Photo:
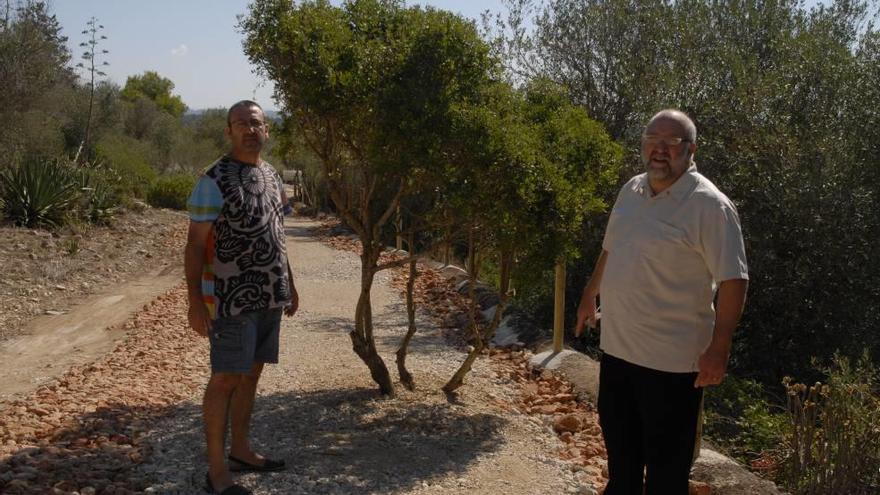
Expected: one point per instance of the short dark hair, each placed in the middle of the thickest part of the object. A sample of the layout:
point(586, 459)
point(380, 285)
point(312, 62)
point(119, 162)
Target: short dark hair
point(240, 104)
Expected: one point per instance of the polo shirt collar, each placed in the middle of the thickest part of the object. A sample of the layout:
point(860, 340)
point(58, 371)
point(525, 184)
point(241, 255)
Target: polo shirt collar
point(685, 183)
point(678, 190)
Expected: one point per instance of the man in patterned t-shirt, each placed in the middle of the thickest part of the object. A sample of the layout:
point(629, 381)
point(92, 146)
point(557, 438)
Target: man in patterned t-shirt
point(239, 281)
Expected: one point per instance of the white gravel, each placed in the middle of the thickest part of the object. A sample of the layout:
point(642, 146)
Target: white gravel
point(319, 410)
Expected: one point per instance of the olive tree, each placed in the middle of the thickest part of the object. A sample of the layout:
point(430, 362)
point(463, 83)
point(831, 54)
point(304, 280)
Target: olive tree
point(534, 165)
point(372, 87)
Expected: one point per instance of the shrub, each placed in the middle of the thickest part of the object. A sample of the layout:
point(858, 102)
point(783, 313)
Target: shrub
point(130, 159)
point(833, 442)
point(741, 420)
point(100, 200)
point(38, 192)
point(171, 191)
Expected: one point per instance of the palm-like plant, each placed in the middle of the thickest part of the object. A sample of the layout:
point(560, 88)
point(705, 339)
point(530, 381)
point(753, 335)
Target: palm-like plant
point(38, 193)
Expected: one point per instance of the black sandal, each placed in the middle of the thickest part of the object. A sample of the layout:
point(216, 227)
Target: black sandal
point(268, 466)
point(230, 490)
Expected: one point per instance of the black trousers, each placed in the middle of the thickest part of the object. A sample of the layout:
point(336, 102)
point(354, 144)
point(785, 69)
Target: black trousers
point(649, 421)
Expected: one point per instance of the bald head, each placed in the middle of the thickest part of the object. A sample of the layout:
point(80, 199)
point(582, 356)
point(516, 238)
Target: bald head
point(689, 130)
point(668, 147)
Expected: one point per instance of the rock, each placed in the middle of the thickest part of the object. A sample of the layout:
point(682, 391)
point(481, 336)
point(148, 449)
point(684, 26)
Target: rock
point(587, 490)
point(17, 486)
point(569, 423)
point(726, 477)
point(698, 488)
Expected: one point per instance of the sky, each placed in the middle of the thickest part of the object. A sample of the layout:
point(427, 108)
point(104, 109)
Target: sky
point(194, 43)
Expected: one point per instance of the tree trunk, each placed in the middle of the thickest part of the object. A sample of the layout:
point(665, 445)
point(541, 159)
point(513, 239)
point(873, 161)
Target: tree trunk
point(457, 379)
point(362, 341)
point(405, 376)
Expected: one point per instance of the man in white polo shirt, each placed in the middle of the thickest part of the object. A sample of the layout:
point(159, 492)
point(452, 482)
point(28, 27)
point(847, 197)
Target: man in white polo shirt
point(672, 241)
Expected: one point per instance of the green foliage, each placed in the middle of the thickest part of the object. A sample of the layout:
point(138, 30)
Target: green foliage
point(38, 192)
point(739, 418)
point(374, 88)
point(833, 437)
point(102, 204)
point(294, 153)
point(155, 88)
point(70, 245)
point(100, 197)
point(171, 191)
point(785, 104)
point(33, 56)
point(209, 126)
point(33, 67)
point(582, 165)
point(130, 159)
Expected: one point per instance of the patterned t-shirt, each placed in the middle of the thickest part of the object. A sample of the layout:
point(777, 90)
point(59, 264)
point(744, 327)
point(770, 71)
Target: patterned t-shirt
point(246, 259)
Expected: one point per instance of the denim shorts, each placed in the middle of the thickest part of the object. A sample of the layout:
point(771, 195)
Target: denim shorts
point(237, 342)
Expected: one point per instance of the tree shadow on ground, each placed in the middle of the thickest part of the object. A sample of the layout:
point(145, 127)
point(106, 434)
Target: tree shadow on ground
point(345, 441)
point(334, 441)
point(302, 233)
point(330, 324)
point(101, 449)
point(390, 328)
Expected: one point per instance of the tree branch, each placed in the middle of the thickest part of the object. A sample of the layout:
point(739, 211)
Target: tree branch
point(392, 207)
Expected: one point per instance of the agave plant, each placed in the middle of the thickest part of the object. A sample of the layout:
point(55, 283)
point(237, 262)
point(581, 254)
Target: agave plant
point(99, 199)
point(101, 204)
point(38, 192)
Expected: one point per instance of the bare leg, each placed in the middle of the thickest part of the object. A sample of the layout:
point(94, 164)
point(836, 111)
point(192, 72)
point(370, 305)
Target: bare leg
point(241, 407)
point(215, 408)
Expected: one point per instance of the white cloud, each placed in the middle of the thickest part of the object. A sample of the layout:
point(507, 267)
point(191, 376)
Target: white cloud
point(180, 50)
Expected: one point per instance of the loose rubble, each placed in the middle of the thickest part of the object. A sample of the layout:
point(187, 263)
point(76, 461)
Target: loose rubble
point(130, 422)
point(84, 432)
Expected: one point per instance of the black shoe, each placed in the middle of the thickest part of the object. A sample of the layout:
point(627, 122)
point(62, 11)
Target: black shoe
point(267, 466)
point(230, 490)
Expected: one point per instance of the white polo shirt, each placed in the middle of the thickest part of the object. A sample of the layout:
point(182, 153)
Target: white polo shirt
point(666, 255)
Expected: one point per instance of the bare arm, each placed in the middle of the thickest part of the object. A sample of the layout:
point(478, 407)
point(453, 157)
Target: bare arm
point(193, 262)
point(729, 307)
point(290, 310)
point(587, 307)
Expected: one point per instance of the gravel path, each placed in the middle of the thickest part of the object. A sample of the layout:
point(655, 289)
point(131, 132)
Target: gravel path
point(129, 422)
point(319, 410)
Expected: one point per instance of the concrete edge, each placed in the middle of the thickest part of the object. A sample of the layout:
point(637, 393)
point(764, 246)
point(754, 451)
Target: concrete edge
point(723, 474)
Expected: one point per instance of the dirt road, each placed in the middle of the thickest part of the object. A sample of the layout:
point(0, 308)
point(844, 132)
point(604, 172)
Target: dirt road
point(130, 421)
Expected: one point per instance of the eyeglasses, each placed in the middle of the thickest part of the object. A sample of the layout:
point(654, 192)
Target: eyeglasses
point(655, 140)
point(250, 124)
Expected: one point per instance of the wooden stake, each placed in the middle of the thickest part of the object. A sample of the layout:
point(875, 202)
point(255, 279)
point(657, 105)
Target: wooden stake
point(559, 307)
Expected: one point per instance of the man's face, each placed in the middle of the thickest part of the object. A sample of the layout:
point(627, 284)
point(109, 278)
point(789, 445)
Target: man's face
point(247, 130)
point(666, 152)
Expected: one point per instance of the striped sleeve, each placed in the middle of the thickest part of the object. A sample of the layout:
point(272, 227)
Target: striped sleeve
point(205, 202)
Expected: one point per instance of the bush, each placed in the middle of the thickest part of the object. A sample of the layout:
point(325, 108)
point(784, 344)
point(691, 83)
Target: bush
point(130, 159)
point(739, 419)
point(39, 192)
point(100, 200)
point(833, 442)
point(171, 191)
